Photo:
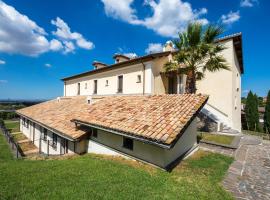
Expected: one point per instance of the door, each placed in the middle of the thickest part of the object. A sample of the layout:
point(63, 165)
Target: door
point(172, 87)
point(64, 146)
point(120, 84)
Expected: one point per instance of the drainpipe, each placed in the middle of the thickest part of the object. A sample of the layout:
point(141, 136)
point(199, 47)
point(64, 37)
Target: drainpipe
point(64, 88)
point(143, 77)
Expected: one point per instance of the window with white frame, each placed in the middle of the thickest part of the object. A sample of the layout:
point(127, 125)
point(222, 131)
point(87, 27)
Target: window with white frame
point(107, 83)
point(139, 78)
point(85, 86)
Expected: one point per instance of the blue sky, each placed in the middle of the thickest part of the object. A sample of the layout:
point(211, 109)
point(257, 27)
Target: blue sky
point(44, 41)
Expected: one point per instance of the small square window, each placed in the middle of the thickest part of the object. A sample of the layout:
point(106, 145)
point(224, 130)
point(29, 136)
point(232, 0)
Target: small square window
point(85, 86)
point(128, 143)
point(107, 83)
point(95, 135)
point(139, 78)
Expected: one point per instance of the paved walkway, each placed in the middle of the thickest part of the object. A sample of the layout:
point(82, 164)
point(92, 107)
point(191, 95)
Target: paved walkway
point(249, 175)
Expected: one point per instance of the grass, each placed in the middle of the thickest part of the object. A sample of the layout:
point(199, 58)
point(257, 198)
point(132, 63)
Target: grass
point(5, 153)
point(105, 177)
point(220, 139)
point(260, 134)
point(26, 146)
point(13, 126)
point(19, 137)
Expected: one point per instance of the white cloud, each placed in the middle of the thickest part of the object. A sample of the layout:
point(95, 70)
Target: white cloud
point(120, 9)
point(19, 34)
point(3, 81)
point(248, 3)
point(154, 48)
point(168, 18)
point(69, 47)
point(48, 65)
point(64, 34)
point(230, 18)
point(2, 62)
point(55, 45)
point(131, 55)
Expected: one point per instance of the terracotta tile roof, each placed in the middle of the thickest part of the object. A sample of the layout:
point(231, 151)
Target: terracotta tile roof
point(158, 118)
point(56, 114)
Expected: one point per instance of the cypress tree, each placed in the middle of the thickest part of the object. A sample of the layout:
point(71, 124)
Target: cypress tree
point(267, 114)
point(256, 113)
point(251, 110)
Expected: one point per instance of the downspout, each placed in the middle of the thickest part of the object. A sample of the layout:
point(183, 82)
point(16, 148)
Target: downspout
point(143, 76)
point(64, 88)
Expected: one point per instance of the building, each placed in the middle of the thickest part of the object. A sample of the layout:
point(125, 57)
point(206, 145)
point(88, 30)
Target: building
point(149, 128)
point(132, 108)
point(143, 76)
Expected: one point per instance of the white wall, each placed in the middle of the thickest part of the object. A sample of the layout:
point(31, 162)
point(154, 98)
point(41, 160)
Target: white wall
point(130, 84)
point(221, 86)
point(33, 133)
point(111, 144)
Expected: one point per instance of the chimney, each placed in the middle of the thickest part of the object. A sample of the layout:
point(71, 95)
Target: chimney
point(168, 46)
point(99, 65)
point(120, 58)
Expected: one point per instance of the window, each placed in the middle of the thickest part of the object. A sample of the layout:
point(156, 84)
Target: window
point(120, 84)
point(54, 143)
point(95, 87)
point(27, 123)
point(79, 89)
point(95, 135)
point(128, 143)
point(24, 121)
point(85, 86)
point(45, 134)
point(139, 78)
point(107, 83)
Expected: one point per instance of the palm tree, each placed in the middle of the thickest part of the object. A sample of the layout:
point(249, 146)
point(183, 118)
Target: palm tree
point(197, 53)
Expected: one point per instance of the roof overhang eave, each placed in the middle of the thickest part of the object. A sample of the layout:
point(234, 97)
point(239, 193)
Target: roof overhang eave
point(122, 133)
point(49, 128)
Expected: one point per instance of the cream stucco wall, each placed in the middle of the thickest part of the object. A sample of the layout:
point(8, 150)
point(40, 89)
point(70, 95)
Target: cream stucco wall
point(33, 133)
point(221, 86)
point(111, 144)
point(130, 83)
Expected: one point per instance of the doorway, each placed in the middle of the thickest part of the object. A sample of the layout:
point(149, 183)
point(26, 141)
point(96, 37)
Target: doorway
point(172, 85)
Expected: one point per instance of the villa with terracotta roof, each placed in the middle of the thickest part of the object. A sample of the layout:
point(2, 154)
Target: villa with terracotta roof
point(131, 108)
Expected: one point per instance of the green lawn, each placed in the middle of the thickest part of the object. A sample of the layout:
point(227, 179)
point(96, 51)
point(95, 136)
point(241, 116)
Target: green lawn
point(5, 153)
point(221, 139)
point(96, 177)
point(14, 126)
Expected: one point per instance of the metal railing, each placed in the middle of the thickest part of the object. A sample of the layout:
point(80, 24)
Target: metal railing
point(12, 142)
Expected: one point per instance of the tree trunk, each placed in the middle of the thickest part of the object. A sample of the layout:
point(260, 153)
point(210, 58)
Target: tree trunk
point(191, 82)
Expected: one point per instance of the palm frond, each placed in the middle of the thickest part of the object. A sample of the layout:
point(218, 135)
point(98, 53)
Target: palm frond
point(211, 33)
point(216, 63)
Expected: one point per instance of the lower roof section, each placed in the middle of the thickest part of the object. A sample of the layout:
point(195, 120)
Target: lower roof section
point(157, 119)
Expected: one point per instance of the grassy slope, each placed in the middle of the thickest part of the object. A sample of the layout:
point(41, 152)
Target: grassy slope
point(222, 139)
point(5, 154)
point(14, 126)
point(96, 177)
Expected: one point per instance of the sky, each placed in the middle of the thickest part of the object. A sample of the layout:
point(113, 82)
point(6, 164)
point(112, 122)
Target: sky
point(44, 41)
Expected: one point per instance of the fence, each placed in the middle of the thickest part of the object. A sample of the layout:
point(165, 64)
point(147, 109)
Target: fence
point(12, 143)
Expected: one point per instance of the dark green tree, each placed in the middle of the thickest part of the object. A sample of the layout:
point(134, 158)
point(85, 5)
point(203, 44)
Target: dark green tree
point(267, 114)
point(251, 110)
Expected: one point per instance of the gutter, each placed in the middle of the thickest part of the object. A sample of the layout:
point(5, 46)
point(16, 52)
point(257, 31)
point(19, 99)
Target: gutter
point(143, 76)
point(147, 141)
point(49, 128)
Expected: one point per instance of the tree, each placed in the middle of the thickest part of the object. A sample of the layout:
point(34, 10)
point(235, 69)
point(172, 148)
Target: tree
point(197, 53)
point(251, 111)
point(267, 114)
